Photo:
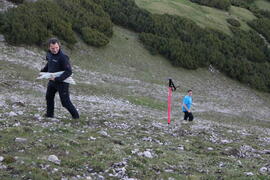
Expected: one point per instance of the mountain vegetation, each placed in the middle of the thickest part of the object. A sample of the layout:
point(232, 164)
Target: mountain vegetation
point(243, 55)
point(33, 23)
point(190, 46)
point(121, 96)
point(220, 4)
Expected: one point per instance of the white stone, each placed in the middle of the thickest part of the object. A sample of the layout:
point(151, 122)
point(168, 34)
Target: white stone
point(20, 112)
point(263, 170)
point(1, 158)
point(147, 154)
point(92, 138)
point(135, 151)
point(17, 124)
point(249, 173)
point(180, 148)
point(168, 170)
point(55, 170)
point(210, 149)
point(54, 159)
point(221, 164)
point(239, 163)
point(104, 133)
point(20, 139)
point(11, 114)
point(3, 166)
point(101, 177)
point(225, 141)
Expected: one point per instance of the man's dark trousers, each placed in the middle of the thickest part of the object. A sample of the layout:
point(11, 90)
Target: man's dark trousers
point(63, 90)
point(188, 116)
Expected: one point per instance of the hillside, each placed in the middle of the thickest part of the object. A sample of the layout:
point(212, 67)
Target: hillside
point(203, 15)
point(123, 133)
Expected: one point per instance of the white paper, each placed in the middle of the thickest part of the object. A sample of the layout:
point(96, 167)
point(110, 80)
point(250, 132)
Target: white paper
point(47, 75)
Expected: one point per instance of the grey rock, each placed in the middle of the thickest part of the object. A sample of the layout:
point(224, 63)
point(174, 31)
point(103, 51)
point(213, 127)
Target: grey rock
point(266, 151)
point(239, 163)
point(92, 138)
point(11, 114)
point(149, 139)
point(169, 170)
point(221, 164)
point(147, 154)
point(17, 124)
point(225, 141)
point(181, 147)
point(104, 133)
point(263, 170)
point(54, 159)
point(20, 112)
point(101, 177)
point(249, 173)
point(3, 166)
point(135, 151)
point(21, 140)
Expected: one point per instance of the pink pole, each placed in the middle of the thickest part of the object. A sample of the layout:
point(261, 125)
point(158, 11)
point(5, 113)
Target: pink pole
point(169, 104)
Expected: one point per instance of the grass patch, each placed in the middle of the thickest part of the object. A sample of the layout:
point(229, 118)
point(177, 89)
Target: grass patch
point(16, 72)
point(262, 4)
point(234, 120)
point(204, 16)
point(148, 102)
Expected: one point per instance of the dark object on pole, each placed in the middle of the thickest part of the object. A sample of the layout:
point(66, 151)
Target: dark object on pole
point(171, 84)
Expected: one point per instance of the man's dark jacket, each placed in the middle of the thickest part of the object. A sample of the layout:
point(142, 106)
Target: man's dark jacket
point(58, 62)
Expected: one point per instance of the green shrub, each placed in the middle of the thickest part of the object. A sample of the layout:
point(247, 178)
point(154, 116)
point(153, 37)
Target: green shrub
point(86, 13)
point(16, 1)
point(1, 22)
point(233, 22)
point(242, 3)
point(126, 13)
point(186, 44)
point(262, 26)
point(33, 23)
point(94, 37)
point(220, 4)
point(264, 13)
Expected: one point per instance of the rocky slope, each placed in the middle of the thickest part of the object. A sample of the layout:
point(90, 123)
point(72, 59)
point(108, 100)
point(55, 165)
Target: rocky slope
point(123, 131)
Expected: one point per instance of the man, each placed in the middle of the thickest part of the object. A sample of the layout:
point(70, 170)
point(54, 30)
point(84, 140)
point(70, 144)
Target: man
point(58, 61)
point(187, 102)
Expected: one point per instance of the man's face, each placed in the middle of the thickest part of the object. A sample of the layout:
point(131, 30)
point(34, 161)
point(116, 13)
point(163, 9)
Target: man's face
point(54, 48)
